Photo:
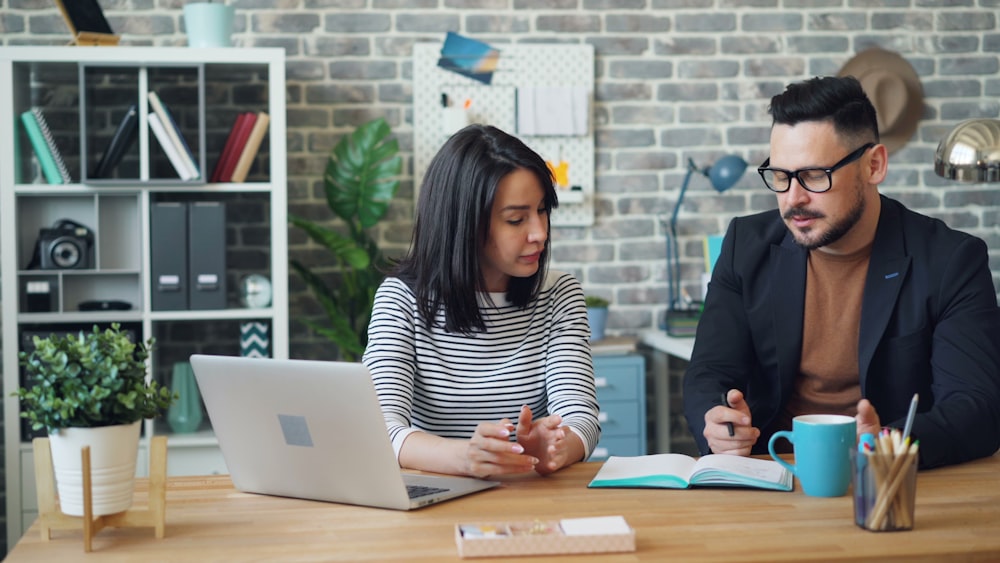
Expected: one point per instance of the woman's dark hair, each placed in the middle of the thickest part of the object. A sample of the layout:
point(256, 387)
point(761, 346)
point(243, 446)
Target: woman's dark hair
point(839, 99)
point(442, 267)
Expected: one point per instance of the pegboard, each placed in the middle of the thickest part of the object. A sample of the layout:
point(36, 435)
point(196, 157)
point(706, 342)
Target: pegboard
point(496, 104)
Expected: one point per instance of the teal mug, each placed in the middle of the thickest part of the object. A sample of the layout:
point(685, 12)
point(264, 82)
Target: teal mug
point(822, 444)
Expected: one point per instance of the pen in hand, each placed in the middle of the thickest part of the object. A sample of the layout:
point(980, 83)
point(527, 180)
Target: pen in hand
point(725, 401)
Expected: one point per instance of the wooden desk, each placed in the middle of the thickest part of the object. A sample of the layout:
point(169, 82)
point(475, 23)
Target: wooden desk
point(957, 516)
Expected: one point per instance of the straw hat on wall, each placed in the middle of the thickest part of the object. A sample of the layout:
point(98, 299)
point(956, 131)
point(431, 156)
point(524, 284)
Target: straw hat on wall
point(894, 89)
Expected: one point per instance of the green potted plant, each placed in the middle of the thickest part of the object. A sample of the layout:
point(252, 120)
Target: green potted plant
point(91, 389)
point(360, 180)
point(597, 315)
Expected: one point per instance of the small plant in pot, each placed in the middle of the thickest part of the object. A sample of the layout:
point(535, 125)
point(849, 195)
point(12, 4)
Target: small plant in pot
point(597, 315)
point(91, 389)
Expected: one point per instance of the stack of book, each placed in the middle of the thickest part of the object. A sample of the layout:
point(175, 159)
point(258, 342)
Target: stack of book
point(49, 158)
point(168, 134)
point(241, 147)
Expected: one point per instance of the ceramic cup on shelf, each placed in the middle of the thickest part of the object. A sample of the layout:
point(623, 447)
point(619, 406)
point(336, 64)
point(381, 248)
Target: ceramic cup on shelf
point(209, 24)
point(185, 414)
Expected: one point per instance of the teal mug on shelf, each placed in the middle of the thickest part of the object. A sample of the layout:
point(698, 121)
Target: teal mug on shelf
point(822, 444)
point(209, 24)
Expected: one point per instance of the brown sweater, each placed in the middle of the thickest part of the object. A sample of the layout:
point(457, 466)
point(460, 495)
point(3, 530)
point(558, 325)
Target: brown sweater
point(828, 381)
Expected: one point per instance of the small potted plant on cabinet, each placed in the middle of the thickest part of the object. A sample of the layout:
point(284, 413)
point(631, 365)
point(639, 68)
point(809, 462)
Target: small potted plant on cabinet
point(597, 316)
point(91, 389)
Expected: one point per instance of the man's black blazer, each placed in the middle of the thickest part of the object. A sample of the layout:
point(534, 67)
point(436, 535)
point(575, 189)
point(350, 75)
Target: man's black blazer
point(929, 325)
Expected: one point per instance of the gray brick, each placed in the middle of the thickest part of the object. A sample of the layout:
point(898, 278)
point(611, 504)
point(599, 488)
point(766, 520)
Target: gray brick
point(584, 253)
point(748, 135)
point(687, 91)
point(641, 69)
point(715, 113)
point(305, 70)
point(339, 46)
point(687, 23)
point(644, 114)
point(685, 46)
point(992, 87)
point(627, 183)
point(708, 68)
point(609, 46)
point(975, 197)
point(362, 70)
point(789, 67)
point(957, 111)
point(991, 42)
point(681, 137)
point(498, 23)
point(836, 22)
point(545, 4)
point(284, 22)
point(749, 45)
point(873, 3)
point(968, 65)
point(903, 21)
point(410, 22)
point(636, 23)
point(617, 274)
point(623, 138)
point(965, 22)
point(682, 4)
point(357, 23)
point(476, 4)
point(771, 22)
point(601, 5)
point(395, 93)
point(622, 91)
point(568, 24)
point(812, 44)
point(399, 4)
point(645, 160)
point(339, 93)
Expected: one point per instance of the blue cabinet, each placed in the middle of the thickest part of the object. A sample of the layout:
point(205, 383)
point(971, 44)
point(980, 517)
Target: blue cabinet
point(621, 395)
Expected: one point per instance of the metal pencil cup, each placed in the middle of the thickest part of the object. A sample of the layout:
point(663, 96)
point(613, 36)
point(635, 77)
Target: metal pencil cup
point(885, 491)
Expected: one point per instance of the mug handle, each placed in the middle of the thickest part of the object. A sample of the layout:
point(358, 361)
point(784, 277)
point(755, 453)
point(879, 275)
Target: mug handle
point(788, 435)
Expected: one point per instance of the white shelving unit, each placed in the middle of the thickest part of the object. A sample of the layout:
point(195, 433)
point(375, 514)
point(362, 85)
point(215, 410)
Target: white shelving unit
point(118, 212)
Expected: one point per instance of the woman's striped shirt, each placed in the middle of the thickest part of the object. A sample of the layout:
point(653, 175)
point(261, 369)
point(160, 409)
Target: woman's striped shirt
point(446, 383)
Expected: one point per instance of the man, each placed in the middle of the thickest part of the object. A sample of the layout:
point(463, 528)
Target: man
point(843, 301)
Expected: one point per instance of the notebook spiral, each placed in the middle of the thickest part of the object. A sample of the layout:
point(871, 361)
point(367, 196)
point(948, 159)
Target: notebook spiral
point(51, 142)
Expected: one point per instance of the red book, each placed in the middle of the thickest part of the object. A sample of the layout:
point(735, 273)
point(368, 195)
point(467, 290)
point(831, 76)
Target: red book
point(230, 151)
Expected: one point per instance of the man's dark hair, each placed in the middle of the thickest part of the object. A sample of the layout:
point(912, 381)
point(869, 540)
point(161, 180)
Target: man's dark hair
point(839, 99)
point(443, 265)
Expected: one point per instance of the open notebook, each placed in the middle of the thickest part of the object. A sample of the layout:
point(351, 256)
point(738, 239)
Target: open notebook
point(312, 430)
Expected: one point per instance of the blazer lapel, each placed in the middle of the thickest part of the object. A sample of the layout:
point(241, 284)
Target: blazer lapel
point(787, 298)
point(887, 268)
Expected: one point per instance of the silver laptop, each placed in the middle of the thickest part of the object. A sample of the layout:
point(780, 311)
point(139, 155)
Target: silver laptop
point(311, 430)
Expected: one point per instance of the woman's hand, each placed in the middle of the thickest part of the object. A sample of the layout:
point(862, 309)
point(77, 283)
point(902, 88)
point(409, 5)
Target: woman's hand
point(545, 438)
point(490, 451)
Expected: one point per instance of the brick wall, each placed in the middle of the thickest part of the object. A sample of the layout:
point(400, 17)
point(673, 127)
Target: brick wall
point(675, 79)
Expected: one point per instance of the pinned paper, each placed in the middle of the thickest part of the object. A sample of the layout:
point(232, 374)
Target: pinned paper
point(553, 110)
point(469, 57)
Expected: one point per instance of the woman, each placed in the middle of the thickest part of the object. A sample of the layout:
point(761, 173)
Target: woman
point(480, 358)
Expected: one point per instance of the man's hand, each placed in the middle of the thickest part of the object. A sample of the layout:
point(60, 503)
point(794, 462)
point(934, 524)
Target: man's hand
point(867, 419)
point(717, 431)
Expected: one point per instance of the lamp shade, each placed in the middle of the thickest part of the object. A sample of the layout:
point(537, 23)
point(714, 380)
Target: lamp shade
point(726, 172)
point(970, 152)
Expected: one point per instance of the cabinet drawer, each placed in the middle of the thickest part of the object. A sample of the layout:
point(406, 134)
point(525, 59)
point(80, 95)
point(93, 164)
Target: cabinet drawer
point(615, 387)
point(619, 418)
point(620, 446)
point(619, 377)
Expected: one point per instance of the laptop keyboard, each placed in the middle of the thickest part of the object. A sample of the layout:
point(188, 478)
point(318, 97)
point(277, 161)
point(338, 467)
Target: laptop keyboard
point(417, 491)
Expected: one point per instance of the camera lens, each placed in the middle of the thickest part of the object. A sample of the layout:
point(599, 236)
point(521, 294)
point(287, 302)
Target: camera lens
point(65, 253)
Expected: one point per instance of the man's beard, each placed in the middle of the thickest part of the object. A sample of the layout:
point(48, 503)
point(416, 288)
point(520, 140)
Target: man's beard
point(836, 230)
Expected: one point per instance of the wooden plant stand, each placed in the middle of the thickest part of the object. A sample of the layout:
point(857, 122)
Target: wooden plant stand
point(50, 517)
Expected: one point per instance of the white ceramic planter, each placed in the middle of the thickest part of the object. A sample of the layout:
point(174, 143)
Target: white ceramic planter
point(113, 453)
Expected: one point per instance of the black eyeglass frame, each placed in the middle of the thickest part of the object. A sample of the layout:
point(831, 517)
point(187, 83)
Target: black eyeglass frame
point(853, 156)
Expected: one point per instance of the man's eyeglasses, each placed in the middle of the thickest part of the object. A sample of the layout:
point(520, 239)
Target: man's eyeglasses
point(815, 180)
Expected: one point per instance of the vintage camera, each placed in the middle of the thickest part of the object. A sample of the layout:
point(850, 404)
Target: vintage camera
point(67, 245)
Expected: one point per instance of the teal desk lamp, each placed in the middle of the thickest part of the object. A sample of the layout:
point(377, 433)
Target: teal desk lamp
point(723, 175)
